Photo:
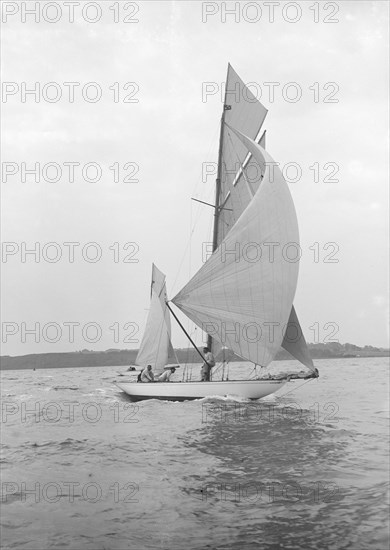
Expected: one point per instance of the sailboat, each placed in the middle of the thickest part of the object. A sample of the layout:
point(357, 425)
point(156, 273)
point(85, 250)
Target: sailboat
point(242, 296)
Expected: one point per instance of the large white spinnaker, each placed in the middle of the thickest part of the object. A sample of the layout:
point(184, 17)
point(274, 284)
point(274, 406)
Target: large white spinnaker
point(156, 347)
point(243, 294)
point(244, 112)
point(293, 341)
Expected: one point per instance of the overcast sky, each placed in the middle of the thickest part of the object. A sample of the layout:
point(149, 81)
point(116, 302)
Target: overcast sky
point(338, 127)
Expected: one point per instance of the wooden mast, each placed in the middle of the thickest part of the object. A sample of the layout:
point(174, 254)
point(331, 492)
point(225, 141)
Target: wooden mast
point(218, 186)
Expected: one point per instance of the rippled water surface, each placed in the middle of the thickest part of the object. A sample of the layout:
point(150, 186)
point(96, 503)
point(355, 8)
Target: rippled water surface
point(84, 468)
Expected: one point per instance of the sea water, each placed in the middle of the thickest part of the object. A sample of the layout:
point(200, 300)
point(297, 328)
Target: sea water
point(85, 468)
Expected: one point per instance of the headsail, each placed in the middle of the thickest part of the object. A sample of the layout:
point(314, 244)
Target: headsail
point(156, 347)
point(242, 296)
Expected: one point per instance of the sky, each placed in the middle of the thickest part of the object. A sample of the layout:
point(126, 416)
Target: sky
point(141, 119)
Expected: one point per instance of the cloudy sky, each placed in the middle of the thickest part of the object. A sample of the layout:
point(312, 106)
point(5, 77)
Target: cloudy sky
point(144, 119)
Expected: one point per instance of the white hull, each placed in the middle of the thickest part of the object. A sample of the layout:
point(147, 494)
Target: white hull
point(179, 391)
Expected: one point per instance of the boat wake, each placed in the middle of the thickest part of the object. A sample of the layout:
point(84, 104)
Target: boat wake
point(227, 397)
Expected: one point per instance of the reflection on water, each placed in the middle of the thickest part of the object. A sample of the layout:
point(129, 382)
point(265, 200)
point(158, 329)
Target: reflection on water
point(292, 475)
point(272, 470)
point(303, 469)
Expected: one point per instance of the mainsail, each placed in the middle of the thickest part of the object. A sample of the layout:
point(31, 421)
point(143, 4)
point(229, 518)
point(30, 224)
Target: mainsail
point(156, 347)
point(242, 296)
point(245, 113)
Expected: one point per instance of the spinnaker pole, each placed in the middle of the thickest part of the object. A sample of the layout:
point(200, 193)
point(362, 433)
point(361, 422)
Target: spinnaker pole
point(185, 332)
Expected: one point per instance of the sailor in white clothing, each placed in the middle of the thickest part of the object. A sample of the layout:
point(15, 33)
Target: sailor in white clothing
point(166, 375)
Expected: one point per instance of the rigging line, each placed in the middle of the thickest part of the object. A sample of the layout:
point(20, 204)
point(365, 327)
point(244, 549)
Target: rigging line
point(188, 246)
point(211, 151)
point(252, 194)
point(195, 218)
point(254, 370)
point(186, 250)
point(212, 205)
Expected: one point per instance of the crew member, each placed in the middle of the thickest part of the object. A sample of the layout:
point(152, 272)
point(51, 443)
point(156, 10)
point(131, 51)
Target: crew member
point(147, 374)
point(166, 375)
point(207, 365)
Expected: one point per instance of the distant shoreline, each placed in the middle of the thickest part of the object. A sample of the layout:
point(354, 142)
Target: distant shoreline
point(121, 358)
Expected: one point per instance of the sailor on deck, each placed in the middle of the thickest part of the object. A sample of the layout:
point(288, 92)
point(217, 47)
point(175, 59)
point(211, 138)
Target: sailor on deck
point(166, 375)
point(207, 365)
point(147, 374)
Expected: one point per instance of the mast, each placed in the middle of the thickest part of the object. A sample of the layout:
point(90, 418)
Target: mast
point(218, 184)
point(218, 187)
